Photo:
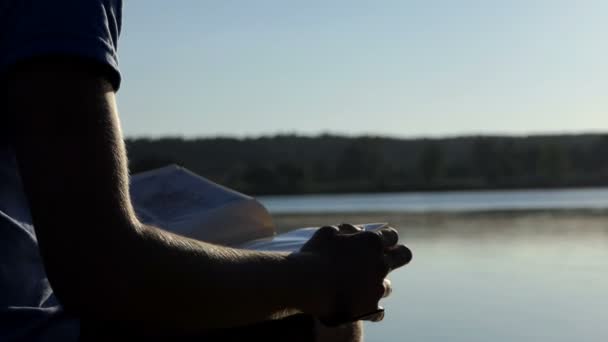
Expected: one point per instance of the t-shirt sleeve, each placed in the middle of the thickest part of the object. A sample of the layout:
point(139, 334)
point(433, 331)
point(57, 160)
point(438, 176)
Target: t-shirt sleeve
point(72, 28)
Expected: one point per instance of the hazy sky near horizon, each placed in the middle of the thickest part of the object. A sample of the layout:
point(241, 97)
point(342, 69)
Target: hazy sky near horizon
point(390, 67)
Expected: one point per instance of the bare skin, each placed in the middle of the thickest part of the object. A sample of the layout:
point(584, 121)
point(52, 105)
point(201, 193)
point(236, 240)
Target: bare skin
point(74, 168)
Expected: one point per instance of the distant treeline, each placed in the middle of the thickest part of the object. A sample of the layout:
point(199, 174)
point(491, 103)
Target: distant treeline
point(292, 164)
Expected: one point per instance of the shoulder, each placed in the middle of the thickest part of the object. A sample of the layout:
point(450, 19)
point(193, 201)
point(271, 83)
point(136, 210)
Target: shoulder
point(76, 29)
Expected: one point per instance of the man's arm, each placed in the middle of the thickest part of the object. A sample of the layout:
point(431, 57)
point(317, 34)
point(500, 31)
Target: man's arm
point(104, 264)
point(100, 260)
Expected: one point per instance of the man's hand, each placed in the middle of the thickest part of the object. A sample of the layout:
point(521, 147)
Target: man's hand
point(356, 262)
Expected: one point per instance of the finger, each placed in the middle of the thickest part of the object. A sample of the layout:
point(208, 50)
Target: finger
point(389, 236)
point(375, 316)
point(388, 288)
point(320, 238)
point(346, 228)
point(327, 231)
point(398, 256)
point(371, 241)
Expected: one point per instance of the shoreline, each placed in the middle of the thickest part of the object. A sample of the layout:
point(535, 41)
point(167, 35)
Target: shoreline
point(455, 213)
point(431, 219)
point(439, 190)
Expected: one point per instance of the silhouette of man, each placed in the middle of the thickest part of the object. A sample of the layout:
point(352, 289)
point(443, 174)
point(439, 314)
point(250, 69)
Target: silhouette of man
point(74, 259)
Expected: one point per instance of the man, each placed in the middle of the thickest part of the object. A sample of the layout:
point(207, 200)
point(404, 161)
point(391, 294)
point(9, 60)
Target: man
point(62, 156)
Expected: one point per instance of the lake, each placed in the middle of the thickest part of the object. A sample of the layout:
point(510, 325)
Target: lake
point(512, 276)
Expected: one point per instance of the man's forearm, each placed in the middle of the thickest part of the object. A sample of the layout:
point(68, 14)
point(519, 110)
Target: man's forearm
point(100, 261)
point(196, 285)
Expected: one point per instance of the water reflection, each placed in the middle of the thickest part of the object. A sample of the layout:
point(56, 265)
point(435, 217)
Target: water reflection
point(519, 278)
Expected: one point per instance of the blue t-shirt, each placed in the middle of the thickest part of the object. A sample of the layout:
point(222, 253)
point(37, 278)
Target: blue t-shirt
point(28, 29)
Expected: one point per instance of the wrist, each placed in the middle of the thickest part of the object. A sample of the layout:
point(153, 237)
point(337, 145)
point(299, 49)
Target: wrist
point(313, 284)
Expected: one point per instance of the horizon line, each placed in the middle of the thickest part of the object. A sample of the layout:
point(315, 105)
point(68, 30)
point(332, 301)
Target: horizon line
point(364, 135)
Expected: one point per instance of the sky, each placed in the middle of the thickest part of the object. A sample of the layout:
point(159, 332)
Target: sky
point(392, 67)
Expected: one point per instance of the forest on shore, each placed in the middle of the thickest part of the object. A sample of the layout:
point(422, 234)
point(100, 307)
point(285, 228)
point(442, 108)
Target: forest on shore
point(295, 164)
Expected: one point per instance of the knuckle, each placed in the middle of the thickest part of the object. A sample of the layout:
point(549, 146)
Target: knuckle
point(405, 253)
point(390, 230)
point(326, 231)
point(349, 227)
point(390, 237)
point(393, 233)
point(372, 239)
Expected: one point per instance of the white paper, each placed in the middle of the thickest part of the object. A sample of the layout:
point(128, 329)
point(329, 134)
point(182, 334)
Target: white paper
point(293, 240)
point(182, 202)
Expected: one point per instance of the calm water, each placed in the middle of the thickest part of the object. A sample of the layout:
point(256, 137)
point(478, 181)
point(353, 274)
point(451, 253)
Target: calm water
point(440, 201)
point(520, 277)
point(521, 284)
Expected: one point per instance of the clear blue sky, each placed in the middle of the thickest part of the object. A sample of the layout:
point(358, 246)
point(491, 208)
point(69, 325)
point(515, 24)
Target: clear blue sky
point(400, 68)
